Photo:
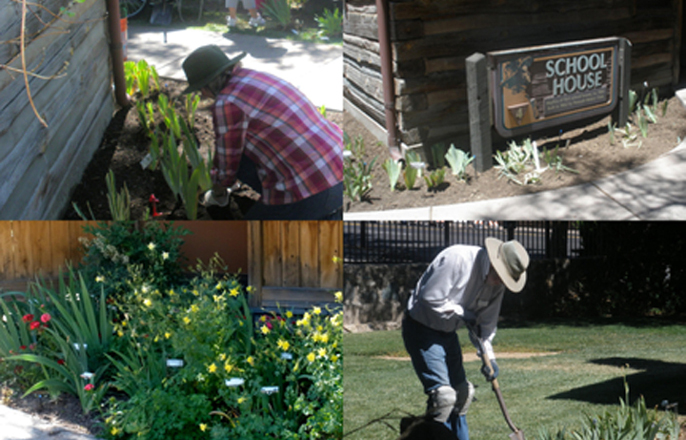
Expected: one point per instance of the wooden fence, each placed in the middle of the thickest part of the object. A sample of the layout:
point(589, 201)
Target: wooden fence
point(40, 166)
point(431, 39)
point(288, 263)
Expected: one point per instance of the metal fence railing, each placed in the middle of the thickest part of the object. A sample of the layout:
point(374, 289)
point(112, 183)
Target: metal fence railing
point(392, 242)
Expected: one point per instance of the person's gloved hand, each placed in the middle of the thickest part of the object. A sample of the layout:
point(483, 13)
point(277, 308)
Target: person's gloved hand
point(490, 373)
point(217, 196)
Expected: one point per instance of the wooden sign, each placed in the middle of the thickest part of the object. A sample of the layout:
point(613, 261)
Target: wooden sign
point(544, 86)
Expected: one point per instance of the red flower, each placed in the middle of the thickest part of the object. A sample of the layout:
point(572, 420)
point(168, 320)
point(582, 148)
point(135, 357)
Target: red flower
point(27, 318)
point(60, 361)
point(45, 318)
point(89, 387)
point(23, 347)
point(34, 325)
point(269, 325)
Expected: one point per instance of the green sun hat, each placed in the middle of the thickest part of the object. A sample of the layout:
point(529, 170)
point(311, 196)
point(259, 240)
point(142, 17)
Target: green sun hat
point(204, 64)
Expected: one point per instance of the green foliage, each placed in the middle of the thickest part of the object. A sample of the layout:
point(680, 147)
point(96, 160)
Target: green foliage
point(438, 155)
point(435, 179)
point(458, 161)
point(411, 169)
point(393, 169)
point(280, 11)
point(633, 100)
point(169, 115)
point(357, 174)
point(191, 102)
point(330, 24)
point(554, 161)
point(138, 77)
point(119, 202)
point(630, 422)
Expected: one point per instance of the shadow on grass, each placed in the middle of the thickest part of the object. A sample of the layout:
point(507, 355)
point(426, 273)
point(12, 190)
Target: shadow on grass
point(659, 381)
point(635, 322)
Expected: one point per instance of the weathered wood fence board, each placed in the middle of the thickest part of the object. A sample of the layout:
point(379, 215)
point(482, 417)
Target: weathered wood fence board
point(41, 166)
point(431, 39)
point(297, 265)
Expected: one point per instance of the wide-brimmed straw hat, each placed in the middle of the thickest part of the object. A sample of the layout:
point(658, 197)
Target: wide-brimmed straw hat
point(204, 64)
point(510, 261)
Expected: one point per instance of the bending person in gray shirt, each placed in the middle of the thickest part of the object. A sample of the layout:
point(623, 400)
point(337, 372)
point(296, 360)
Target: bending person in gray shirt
point(462, 284)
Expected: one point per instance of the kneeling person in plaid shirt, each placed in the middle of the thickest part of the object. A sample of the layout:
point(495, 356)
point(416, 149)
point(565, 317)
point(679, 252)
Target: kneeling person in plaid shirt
point(271, 137)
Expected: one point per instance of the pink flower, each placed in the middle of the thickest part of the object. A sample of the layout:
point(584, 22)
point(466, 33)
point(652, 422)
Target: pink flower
point(45, 318)
point(32, 346)
point(27, 318)
point(269, 325)
point(89, 387)
point(34, 325)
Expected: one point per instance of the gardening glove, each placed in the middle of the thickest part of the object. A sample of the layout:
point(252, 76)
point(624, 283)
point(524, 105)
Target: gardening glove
point(217, 196)
point(490, 373)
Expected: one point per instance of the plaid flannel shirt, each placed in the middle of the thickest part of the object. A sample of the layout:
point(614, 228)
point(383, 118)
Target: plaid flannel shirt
point(298, 152)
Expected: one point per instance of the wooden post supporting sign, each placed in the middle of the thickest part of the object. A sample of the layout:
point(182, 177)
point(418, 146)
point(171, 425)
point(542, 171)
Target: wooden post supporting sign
point(479, 113)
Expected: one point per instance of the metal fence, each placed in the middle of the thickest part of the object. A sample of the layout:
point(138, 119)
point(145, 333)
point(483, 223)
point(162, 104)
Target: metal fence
point(392, 242)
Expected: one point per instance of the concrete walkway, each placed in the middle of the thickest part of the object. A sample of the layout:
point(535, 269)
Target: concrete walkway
point(314, 68)
point(17, 425)
point(654, 191)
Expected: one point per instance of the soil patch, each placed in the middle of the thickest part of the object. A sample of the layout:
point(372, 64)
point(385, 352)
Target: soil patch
point(123, 147)
point(470, 357)
point(587, 149)
point(64, 413)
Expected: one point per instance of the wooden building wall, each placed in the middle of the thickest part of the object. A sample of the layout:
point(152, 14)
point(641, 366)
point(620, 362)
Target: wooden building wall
point(430, 40)
point(288, 263)
point(40, 166)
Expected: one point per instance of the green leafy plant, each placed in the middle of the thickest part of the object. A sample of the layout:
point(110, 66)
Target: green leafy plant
point(458, 161)
point(119, 202)
point(553, 159)
point(330, 23)
point(633, 100)
point(170, 117)
point(438, 155)
point(611, 127)
point(357, 174)
point(515, 160)
point(435, 179)
point(146, 116)
point(393, 169)
point(629, 136)
point(412, 167)
point(280, 11)
point(642, 124)
point(191, 102)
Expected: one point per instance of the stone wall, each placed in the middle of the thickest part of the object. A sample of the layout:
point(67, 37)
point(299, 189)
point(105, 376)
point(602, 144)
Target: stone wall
point(375, 295)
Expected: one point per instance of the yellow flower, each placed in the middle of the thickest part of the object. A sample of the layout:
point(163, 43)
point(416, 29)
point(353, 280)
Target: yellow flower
point(212, 368)
point(165, 255)
point(100, 279)
point(218, 286)
point(321, 352)
point(283, 344)
point(203, 427)
point(289, 314)
point(334, 358)
point(120, 333)
point(147, 302)
point(241, 400)
point(114, 430)
point(265, 330)
point(123, 323)
point(339, 296)
point(324, 338)
point(251, 361)
point(263, 318)
point(217, 298)
point(151, 246)
point(234, 292)
point(311, 357)
point(157, 338)
point(167, 335)
point(186, 320)
point(316, 310)
point(195, 292)
point(228, 367)
point(336, 260)
point(250, 289)
point(222, 357)
point(171, 292)
point(194, 308)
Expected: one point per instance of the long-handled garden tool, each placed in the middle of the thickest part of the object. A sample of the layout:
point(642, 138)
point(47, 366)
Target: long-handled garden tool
point(517, 433)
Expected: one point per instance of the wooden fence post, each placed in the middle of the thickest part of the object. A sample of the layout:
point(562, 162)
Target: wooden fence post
point(479, 116)
point(620, 115)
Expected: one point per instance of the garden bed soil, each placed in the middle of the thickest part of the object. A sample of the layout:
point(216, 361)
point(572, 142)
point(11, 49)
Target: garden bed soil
point(123, 147)
point(589, 152)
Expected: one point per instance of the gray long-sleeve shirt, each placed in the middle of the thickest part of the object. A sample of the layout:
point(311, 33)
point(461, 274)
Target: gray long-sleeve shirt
point(458, 275)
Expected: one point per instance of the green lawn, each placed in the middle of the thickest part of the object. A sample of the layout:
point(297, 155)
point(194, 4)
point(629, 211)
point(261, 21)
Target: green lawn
point(582, 375)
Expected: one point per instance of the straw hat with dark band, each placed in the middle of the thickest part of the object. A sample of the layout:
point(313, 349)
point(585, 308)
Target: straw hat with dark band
point(510, 261)
point(204, 64)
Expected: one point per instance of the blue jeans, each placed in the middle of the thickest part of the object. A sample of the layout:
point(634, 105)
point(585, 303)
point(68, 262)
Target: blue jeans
point(437, 360)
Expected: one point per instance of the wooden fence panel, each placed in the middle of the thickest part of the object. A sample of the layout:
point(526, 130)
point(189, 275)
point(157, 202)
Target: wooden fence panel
point(310, 257)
